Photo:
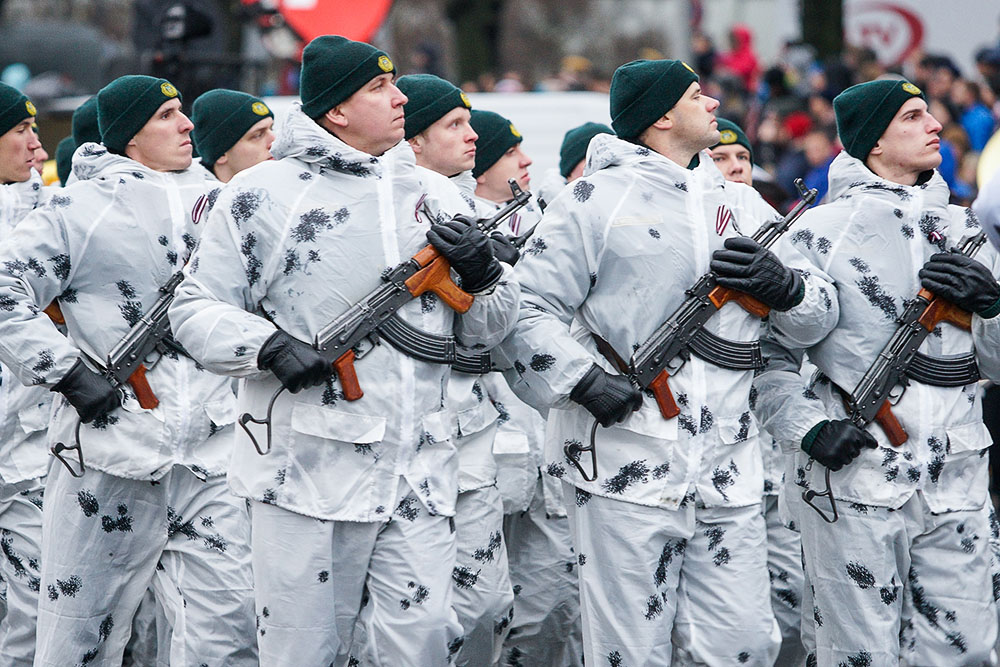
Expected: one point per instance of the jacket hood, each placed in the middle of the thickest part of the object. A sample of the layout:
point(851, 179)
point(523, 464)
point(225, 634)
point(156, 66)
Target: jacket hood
point(302, 138)
point(849, 176)
point(93, 161)
point(607, 150)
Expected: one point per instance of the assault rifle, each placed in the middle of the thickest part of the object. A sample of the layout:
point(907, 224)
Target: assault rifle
point(885, 381)
point(339, 341)
point(666, 351)
point(126, 362)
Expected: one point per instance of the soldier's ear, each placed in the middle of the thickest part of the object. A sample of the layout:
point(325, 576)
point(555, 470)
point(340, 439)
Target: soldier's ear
point(876, 149)
point(222, 159)
point(336, 117)
point(664, 122)
point(417, 144)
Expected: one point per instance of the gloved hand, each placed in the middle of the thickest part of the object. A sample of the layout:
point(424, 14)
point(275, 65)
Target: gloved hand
point(610, 398)
point(91, 394)
point(504, 248)
point(296, 364)
point(749, 267)
point(468, 251)
point(836, 443)
point(961, 280)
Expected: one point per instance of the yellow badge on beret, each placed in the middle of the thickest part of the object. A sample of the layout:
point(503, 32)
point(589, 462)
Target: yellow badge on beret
point(260, 108)
point(513, 130)
point(687, 67)
point(384, 63)
point(727, 137)
point(465, 100)
point(911, 89)
point(168, 89)
point(32, 111)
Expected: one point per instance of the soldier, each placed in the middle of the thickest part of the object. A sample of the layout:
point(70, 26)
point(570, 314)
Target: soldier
point(499, 159)
point(64, 159)
point(356, 500)
point(150, 499)
point(232, 131)
point(907, 562)
point(444, 143)
point(572, 159)
point(673, 517)
point(41, 155)
point(23, 460)
point(734, 158)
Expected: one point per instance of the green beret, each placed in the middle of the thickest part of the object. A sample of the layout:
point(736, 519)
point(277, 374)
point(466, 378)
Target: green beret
point(14, 107)
point(864, 111)
point(85, 127)
point(221, 117)
point(496, 136)
point(644, 90)
point(574, 145)
point(64, 158)
point(430, 98)
point(334, 68)
point(126, 104)
point(731, 133)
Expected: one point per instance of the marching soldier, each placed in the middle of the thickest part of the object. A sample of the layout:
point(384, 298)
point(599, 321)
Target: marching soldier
point(232, 131)
point(672, 518)
point(150, 499)
point(356, 499)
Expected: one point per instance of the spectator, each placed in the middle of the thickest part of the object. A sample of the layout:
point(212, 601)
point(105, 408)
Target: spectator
point(974, 116)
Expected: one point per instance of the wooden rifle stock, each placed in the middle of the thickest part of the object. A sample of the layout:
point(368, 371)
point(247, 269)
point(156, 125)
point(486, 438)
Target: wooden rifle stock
point(140, 385)
point(348, 377)
point(938, 310)
point(893, 430)
point(664, 397)
point(55, 313)
point(435, 276)
point(720, 296)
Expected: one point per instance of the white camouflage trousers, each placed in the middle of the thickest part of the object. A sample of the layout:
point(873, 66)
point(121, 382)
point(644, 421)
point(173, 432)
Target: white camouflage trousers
point(20, 567)
point(354, 593)
point(483, 596)
point(546, 629)
point(661, 587)
point(105, 539)
point(902, 586)
point(784, 567)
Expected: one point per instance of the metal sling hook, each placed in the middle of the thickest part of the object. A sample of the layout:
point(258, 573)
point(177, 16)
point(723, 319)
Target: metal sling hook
point(58, 449)
point(247, 417)
point(808, 496)
point(574, 449)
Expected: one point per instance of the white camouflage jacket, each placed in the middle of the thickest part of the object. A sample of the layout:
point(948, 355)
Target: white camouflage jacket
point(24, 410)
point(616, 250)
point(293, 243)
point(869, 243)
point(103, 247)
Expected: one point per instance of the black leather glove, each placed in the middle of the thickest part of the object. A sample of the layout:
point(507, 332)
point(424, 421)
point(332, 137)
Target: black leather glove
point(610, 398)
point(747, 266)
point(468, 251)
point(91, 394)
point(504, 248)
point(961, 280)
point(296, 364)
point(836, 443)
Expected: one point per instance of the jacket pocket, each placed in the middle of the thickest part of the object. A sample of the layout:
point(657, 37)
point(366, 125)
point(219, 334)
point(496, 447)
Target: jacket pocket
point(733, 430)
point(476, 418)
point(634, 236)
point(222, 411)
point(34, 417)
point(435, 428)
point(330, 424)
point(973, 436)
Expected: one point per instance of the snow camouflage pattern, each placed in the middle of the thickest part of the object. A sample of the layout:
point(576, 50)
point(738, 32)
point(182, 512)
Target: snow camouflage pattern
point(873, 269)
point(284, 236)
point(929, 602)
point(400, 614)
point(20, 568)
point(104, 247)
point(187, 538)
point(623, 284)
point(483, 595)
point(543, 569)
point(702, 600)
